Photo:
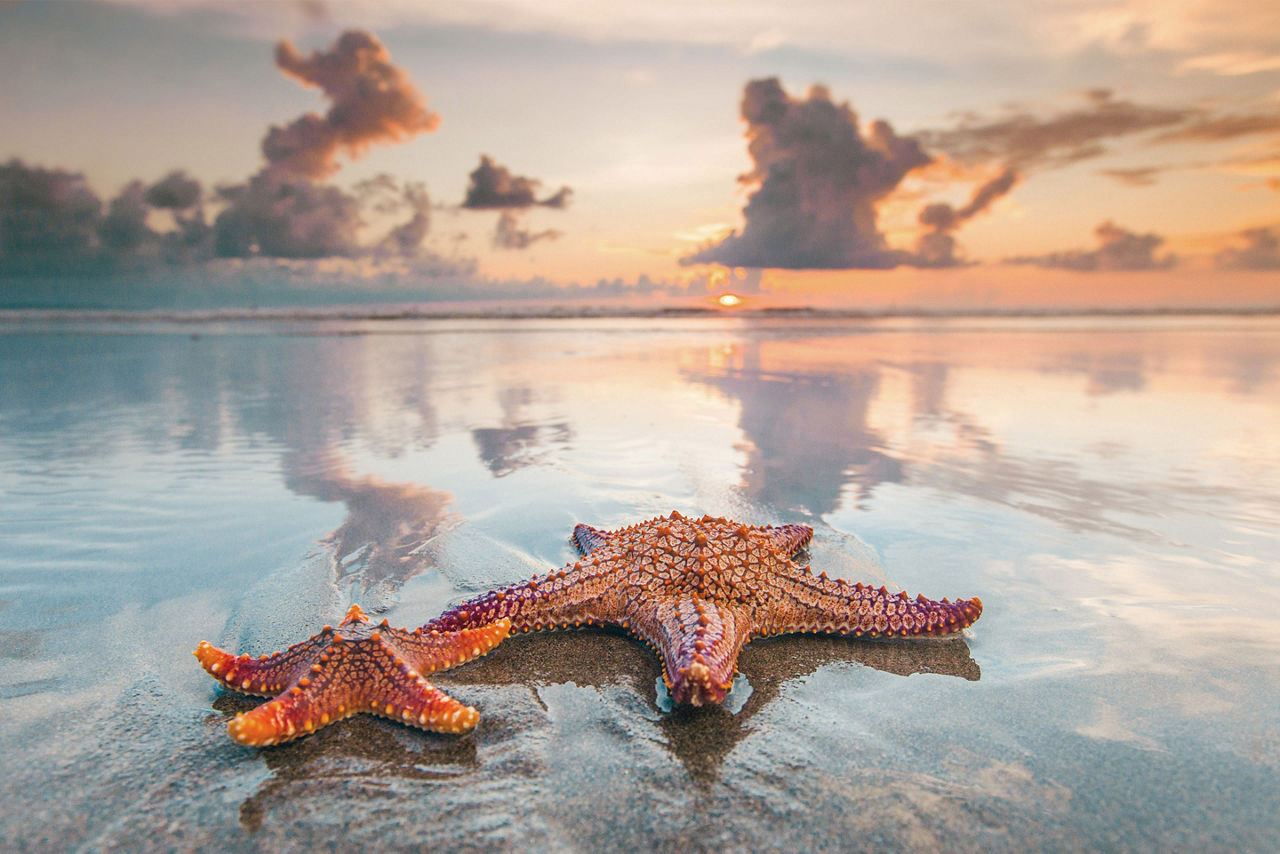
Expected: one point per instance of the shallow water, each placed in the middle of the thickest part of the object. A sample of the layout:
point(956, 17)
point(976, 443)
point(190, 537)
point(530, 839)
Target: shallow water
point(1110, 488)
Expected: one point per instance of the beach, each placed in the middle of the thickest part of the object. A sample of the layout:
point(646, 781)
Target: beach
point(1109, 486)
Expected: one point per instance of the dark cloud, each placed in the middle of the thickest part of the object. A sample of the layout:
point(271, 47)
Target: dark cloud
point(183, 197)
point(494, 187)
point(1025, 140)
point(176, 191)
point(45, 212)
point(1261, 251)
point(373, 101)
point(819, 180)
point(510, 233)
point(1118, 249)
point(936, 246)
point(286, 219)
point(124, 228)
point(51, 221)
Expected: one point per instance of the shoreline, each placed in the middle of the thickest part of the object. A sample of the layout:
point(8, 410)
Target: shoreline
point(560, 311)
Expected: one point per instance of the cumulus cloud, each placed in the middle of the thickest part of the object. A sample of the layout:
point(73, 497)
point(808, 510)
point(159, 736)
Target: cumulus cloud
point(282, 212)
point(45, 211)
point(286, 219)
point(372, 101)
point(937, 246)
point(1261, 251)
point(818, 179)
point(51, 219)
point(124, 228)
point(1026, 140)
point(1118, 249)
point(494, 187)
point(176, 191)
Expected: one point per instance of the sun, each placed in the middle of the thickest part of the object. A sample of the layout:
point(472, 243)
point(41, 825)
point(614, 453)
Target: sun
point(729, 300)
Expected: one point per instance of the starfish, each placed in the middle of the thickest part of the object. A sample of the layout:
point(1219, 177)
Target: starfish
point(697, 590)
point(361, 667)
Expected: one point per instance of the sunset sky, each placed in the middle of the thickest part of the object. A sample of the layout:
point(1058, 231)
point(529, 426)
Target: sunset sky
point(949, 154)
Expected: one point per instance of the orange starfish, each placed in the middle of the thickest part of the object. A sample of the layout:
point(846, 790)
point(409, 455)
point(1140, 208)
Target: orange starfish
point(362, 667)
point(697, 590)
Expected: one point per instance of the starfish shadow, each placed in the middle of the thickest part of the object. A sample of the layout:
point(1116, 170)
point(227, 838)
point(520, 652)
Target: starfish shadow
point(366, 754)
point(701, 738)
point(358, 756)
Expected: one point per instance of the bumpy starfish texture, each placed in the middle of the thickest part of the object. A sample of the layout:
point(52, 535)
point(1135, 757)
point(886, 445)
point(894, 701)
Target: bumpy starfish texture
point(697, 590)
point(360, 667)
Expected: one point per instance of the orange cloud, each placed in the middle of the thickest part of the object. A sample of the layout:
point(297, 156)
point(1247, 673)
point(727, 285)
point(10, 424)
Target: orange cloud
point(373, 101)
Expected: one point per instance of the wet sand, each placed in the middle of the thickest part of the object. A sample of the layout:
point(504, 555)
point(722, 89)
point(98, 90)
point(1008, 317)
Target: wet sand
point(1111, 494)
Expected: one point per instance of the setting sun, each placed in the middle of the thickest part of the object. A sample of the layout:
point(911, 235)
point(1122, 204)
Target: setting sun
point(729, 300)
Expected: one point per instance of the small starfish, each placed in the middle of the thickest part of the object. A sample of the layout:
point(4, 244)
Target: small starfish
point(361, 668)
point(697, 590)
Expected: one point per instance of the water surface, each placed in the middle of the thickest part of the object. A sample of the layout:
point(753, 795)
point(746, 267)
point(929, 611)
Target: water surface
point(1111, 490)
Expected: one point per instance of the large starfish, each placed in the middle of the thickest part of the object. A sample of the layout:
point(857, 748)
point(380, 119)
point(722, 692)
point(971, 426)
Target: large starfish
point(697, 590)
point(361, 667)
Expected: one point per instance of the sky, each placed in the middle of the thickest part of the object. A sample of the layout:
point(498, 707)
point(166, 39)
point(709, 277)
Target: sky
point(953, 155)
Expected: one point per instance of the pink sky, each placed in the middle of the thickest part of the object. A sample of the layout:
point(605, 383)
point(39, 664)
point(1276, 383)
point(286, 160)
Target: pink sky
point(1068, 154)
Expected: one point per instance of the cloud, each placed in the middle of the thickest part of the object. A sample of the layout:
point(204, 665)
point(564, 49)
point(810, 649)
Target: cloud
point(51, 221)
point(281, 212)
point(1261, 251)
point(494, 187)
point(406, 238)
point(373, 101)
point(286, 219)
point(818, 179)
point(1118, 249)
point(1221, 128)
point(1232, 63)
point(936, 247)
point(510, 235)
point(45, 212)
point(1026, 141)
point(124, 228)
point(1141, 176)
point(176, 191)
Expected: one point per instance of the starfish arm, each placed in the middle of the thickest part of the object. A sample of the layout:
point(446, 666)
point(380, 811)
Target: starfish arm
point(265, 676)
point(583, 593)
point(587, 538)
point(428, 651)
point(786, 539)
point(699, 641)
point(802, 602)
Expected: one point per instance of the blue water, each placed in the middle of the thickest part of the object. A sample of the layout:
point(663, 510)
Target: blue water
point(1110, 488)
